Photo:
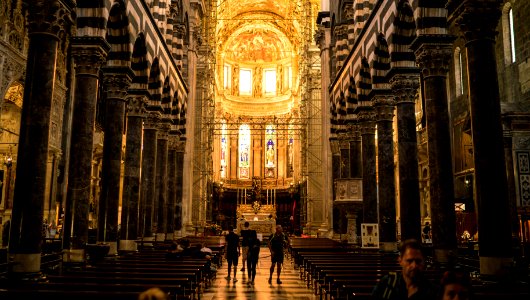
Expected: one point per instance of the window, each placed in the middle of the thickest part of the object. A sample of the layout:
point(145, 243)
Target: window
point(244, 151)
point(270, 82)
point(512, 38)
point(508, 38)
point(459, 76)
point(227, 76)
point(245, 82)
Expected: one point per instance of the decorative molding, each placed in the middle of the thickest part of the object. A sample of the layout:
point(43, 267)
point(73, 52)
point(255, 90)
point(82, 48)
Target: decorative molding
point(53, 17)
point(434, 59)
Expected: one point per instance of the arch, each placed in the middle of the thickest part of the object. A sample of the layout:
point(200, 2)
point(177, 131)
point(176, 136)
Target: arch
point(154, 86)
point(175, 111)
point(118, 35)
point(342, 112)
point(431, 17)
point(381, 63)
point(139, 64)
point(183, 110)
point(166, 99)
point(402, 37)
point(91, 18)
point(365, 82)
point(333, 118)
point(351, 101)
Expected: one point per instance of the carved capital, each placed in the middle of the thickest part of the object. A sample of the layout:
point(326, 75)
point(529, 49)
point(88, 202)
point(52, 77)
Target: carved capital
point(89, 53)
point(173, 141)
point(405, 87)
point(478, 19)
point(384, 113)
point(434, 59)
point(136, 105)
point(151, 120)
point(52, 17)
point(320, 37)
point(366, 122)
point(181, 145)
point(117, 81)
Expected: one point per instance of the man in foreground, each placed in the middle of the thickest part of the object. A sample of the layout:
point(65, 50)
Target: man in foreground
point(277, 242)
point(410, 283)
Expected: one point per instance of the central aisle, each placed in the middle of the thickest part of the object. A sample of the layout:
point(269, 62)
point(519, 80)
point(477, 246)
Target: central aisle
point(291, 288)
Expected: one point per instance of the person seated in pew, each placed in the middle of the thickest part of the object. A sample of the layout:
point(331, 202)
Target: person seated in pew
point(410, 283)
point(455, 285)
point(153, 294)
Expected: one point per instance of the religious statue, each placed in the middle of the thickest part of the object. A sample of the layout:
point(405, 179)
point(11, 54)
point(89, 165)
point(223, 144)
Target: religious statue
point(235, 81)
point(270, 156)
point(257, 82)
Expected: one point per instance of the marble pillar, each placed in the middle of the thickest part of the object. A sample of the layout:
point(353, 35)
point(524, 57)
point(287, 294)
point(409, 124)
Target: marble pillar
point(47, 22)
point(116, 82)
point(88, 54)
point(173, 139)
point(405, 88)
point(367, 127)
point(161, 180)
point(136, 103)
point(181, 145)
point(148, 174)
point(356, 158)
point(478, 21)
point(433, 55)
point(384, 114)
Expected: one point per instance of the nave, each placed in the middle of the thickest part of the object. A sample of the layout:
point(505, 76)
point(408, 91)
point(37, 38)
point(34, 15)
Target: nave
point(292, 286)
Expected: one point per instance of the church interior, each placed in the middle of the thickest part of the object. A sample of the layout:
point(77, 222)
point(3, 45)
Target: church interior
point(362, 122)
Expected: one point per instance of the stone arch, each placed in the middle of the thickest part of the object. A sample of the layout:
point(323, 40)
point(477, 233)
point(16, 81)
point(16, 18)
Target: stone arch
point(140, 64)
point(91, 18)
point(351, 100)
point(166, 98)
point(403, 35)
point(365, 81)
point(381, 62)
point(154, 86)
point(175, 110)
point(183, 111)
point(118, 35)
point(333, 114)
point(431, 17)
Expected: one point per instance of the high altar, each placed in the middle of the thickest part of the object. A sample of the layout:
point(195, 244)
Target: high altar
point(262, 218)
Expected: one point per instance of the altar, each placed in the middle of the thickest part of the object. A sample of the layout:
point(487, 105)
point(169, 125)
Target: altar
point(261, 218)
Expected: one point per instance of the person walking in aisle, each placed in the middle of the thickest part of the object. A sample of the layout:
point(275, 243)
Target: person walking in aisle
point(277, 242)
point(232, 251)
point(254, 245)
point(244, 244)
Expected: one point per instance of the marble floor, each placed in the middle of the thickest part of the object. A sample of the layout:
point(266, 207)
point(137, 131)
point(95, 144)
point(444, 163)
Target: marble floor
point(291, 288)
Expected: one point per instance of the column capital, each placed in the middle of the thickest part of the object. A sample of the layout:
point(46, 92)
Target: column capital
point(173, 141)
point(117, 80)
point(478, 19)
point(434, 59)
point(136, 105)
point(405, 87)
point(366, 122)
point(163, 130)
point(89, 53)
point(151, 120)
point(52, 17)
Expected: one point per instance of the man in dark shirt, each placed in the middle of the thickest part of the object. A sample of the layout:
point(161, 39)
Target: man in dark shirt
point(244, 244)
point(410, 283)
point(277, 242)
point(232, 251)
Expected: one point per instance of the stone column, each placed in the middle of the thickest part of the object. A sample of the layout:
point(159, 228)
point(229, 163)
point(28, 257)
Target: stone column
point(510, 175)
point(137, 101)
point(433, 55)
point(478, 21)
point(384, 114)
point(88, 54)
point(356, 153)
point(116, 81)
point(148, 174)
point(172, 184)
point(181, 145)
point(405, 89)
point(367, 126)
point(46, 25)
point(161, 180)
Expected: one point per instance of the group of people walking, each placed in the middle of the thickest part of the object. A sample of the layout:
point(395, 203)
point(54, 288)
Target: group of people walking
point(251, 245)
